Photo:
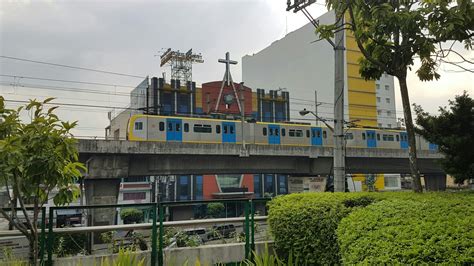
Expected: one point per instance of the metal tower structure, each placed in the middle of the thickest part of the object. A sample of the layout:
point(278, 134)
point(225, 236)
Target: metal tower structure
point(181, 63)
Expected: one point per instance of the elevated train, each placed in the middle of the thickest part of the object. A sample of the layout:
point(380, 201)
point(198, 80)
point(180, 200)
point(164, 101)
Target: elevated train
point(203, 130)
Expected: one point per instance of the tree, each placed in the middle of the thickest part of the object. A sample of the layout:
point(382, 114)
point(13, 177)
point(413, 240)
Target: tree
point(131, 216)
point(35, 158)
point(453, 131)
point(391, 33)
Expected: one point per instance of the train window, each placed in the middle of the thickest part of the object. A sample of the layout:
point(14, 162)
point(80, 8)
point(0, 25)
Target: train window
point(264, 131)
point(178, 127)
point(398, 138)
point(218, 129)
point(318, 133)
point(231, 129)
point(162, 126)
point(276, 131)
point(138, 125)
point(387, 137)
point(313, 133)
point(271, 131)
point(307, 133)
point(299, 133)
point(186, 127)
point(349, 136)
point(291, 133)
point(283, 132)
point(170, 126)
point(325, 135)
point(363, 136)
point(225, 130)
point(202, 128)
point(378, 136)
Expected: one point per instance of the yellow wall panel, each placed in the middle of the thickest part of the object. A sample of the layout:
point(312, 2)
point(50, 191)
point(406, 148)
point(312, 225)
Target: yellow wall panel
point(198, 98)
point(353, 56)
point(380, 182)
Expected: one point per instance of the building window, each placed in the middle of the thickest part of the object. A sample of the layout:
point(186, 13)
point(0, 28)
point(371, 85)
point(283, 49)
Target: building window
point(269, 185)
point(378, 99)
point(380, 125)
point(134, 179)
point(162, 126)
point(387, 100)
point(228, 181)
point(186, 127)
point(198, 188)
point(377, 86)
point(257, 186)
point(389, 113)
point(134, 195)
point(218, 129)
point(282, 184)
point(391, 181)
point(138, 125)
point(387, 87)
point(389, 125)
point(183, 188)
point(379, 112)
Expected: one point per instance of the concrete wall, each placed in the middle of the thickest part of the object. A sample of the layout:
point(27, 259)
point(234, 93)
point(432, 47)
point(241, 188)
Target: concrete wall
point(207, 255)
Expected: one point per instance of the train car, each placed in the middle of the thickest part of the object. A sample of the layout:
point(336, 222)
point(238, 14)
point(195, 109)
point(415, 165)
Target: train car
point(203, 130)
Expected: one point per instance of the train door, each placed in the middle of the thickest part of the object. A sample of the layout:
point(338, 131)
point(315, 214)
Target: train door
point(403, 140)
point(174, 131)
point(316, 136)
point(371, 141)
point(274, 134)
point(228, 132)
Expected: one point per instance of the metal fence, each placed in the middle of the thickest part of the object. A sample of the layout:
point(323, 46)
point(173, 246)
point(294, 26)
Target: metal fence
point(157, 225)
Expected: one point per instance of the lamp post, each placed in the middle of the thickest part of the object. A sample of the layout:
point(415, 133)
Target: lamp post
point(305, 112)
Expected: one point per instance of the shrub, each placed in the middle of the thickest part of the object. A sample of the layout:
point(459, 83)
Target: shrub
point(69, 244)
point(131, 216)
point(305, 224)
point(434, 228)
point(215, 209)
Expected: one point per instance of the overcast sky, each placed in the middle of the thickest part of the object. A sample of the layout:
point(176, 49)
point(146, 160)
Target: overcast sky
point(125, 36)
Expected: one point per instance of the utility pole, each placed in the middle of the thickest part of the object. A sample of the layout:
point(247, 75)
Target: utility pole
point(338, 46)
point(339, 154)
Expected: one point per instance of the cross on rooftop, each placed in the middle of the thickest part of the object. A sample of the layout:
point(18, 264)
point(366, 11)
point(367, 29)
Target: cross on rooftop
point(227, 62)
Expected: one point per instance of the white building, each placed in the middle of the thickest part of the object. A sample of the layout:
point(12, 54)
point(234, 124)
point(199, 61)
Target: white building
point(303, 65)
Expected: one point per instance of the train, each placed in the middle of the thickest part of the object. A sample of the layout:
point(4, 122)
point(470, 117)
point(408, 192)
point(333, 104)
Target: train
point(143, 127)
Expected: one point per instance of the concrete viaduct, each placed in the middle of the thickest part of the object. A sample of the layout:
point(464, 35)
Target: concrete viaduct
point(109, 160)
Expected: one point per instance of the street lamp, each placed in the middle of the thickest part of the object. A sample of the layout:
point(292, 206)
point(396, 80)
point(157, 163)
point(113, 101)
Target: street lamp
point(305, 112)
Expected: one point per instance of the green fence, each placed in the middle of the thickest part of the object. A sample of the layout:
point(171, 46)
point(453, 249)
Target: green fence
point(157, 229)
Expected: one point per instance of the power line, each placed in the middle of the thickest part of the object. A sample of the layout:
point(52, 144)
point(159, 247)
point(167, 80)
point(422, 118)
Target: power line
point(68, 81)
point(72, 67)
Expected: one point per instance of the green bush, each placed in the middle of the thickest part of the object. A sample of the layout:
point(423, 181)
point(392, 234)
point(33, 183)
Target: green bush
point(305, 224)
point(215, 210)
point(69, 244)
point(433, 228)
point(131, 216)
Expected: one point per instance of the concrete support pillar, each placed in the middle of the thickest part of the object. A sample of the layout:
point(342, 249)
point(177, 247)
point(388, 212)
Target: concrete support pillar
point(435, 182)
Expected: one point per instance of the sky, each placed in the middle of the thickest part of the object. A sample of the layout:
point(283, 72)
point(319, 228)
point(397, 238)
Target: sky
point(127, 37)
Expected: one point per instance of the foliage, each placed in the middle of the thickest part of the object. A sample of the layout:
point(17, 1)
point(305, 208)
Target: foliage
point(125, 258)
point(69, 244)
point(397, 231)
point(453, 131)
point(390, 34)
point(185, 240)
point(131, 215)
point(215, 209)
point(35, 158)
point(10, 260)
point(305, 224)
point(131, 241)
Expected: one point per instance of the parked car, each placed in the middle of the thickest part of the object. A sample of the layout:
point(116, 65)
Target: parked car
point(225, 230)
point(200, 232)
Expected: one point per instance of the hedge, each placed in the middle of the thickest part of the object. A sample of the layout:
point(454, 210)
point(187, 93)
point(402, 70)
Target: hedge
point(410, 231)
point(306, 225)
point(131, 216)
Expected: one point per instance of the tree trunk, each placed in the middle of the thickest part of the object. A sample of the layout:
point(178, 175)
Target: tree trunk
point(33, 239)
point(411, 134)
